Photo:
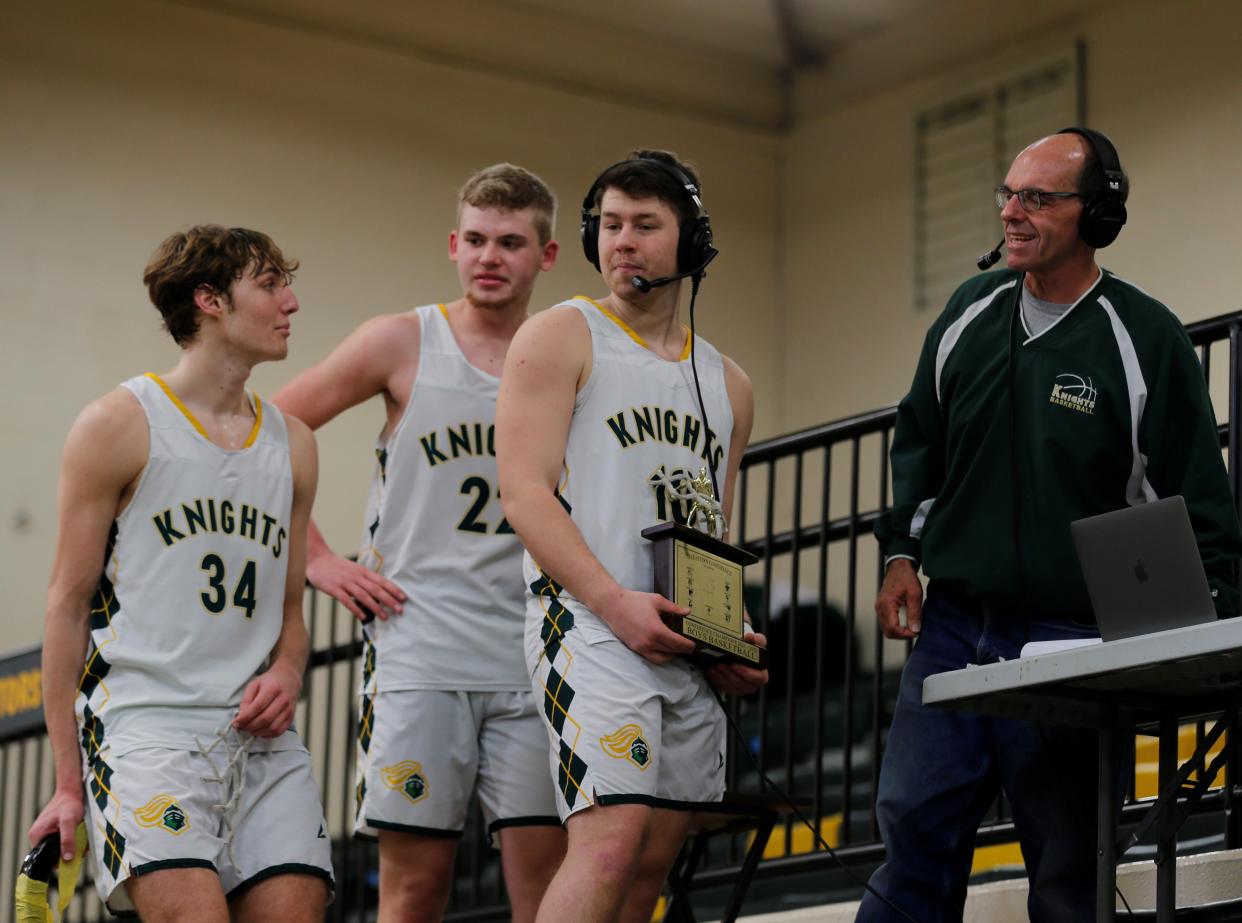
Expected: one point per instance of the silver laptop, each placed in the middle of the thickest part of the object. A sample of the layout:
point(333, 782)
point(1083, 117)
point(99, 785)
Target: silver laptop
point(1143, 569)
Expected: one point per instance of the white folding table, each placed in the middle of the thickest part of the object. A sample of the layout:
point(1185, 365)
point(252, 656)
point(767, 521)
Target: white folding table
point(1161, 680)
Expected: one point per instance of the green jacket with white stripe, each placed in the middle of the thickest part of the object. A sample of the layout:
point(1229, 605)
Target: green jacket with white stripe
point(1005, 438)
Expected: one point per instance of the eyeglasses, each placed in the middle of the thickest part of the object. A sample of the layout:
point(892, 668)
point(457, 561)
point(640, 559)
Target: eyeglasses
point(1032, 200)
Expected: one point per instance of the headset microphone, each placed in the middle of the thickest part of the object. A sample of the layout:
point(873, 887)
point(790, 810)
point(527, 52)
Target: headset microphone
point(992, 257)
point(694, 245)
point(645, 285)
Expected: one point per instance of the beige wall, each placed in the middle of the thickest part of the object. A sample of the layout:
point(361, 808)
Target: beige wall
point(124, 121)
point(1163, 80)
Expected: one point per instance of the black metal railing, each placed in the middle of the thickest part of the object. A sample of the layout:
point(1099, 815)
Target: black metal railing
point(806, 504)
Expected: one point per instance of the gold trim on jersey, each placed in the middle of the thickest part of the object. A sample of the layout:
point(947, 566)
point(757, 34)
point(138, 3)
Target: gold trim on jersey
point(258, 422)
point(685, 350)
point(254, 430)
point(180, 406)
point(99, 772)
point(443, 309)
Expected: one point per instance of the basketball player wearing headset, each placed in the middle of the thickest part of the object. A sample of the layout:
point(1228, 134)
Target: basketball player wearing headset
point(638, 738)
point(1047, 392)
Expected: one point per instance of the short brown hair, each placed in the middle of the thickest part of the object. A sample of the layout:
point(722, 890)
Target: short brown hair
point(211, 255)
point(511, 188)
point(638, 178)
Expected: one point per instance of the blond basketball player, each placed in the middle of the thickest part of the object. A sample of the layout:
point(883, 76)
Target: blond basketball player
point(445, 706)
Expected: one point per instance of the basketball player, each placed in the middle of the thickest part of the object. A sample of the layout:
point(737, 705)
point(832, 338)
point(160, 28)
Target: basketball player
point(179, 575)
point(445, 700)
point(638, 737)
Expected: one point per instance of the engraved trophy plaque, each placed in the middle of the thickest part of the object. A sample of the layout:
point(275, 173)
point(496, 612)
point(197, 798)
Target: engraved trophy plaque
point(698, 570)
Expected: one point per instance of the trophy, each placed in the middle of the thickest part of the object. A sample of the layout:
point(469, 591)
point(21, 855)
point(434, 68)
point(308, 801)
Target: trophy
point(696, 569)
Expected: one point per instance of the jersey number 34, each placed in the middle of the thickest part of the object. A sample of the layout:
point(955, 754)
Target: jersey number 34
point(216, 596)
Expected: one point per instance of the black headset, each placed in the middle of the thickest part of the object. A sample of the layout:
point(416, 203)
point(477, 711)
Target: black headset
point(1103, 213)
point(694, 245)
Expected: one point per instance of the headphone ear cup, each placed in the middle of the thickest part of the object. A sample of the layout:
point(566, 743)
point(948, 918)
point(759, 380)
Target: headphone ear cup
point(693, 244)
point(1103, 217)
point(589, 231)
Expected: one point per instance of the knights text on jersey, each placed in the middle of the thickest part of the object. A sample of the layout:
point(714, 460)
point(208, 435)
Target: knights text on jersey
point(191, 598)
point(434, 526)
point(637, 431)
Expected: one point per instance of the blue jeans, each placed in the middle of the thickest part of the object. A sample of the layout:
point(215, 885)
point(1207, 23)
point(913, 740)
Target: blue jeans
point(943, 768)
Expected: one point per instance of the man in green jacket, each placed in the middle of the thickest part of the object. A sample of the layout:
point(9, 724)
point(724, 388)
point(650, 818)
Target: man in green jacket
point(1045, 393)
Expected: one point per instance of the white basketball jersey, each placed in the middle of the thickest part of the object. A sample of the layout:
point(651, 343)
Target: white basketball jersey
point(434, 527)
point(636, 424)
point(191, 597)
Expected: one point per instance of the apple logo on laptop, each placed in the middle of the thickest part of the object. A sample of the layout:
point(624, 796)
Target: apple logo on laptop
point(1140, 571)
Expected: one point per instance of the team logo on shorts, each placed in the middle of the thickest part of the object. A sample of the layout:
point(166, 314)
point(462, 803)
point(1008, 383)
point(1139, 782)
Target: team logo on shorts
point(627, 743)
point(162, 811)
point(407, 777)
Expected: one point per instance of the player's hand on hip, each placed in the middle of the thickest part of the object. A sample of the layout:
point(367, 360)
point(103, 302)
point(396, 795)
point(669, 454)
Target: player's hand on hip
point(638, 620)
point(359, 589)
point(737, 678)
point(60, 815)
point(900, 589)
point(269, 701)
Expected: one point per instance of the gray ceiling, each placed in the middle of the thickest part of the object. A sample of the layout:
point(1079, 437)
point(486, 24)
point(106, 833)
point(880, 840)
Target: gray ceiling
point(744, 54)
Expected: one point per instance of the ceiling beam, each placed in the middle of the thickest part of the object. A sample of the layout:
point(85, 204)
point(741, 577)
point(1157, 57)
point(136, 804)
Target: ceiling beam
point(565, 55)
point(800, 54)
